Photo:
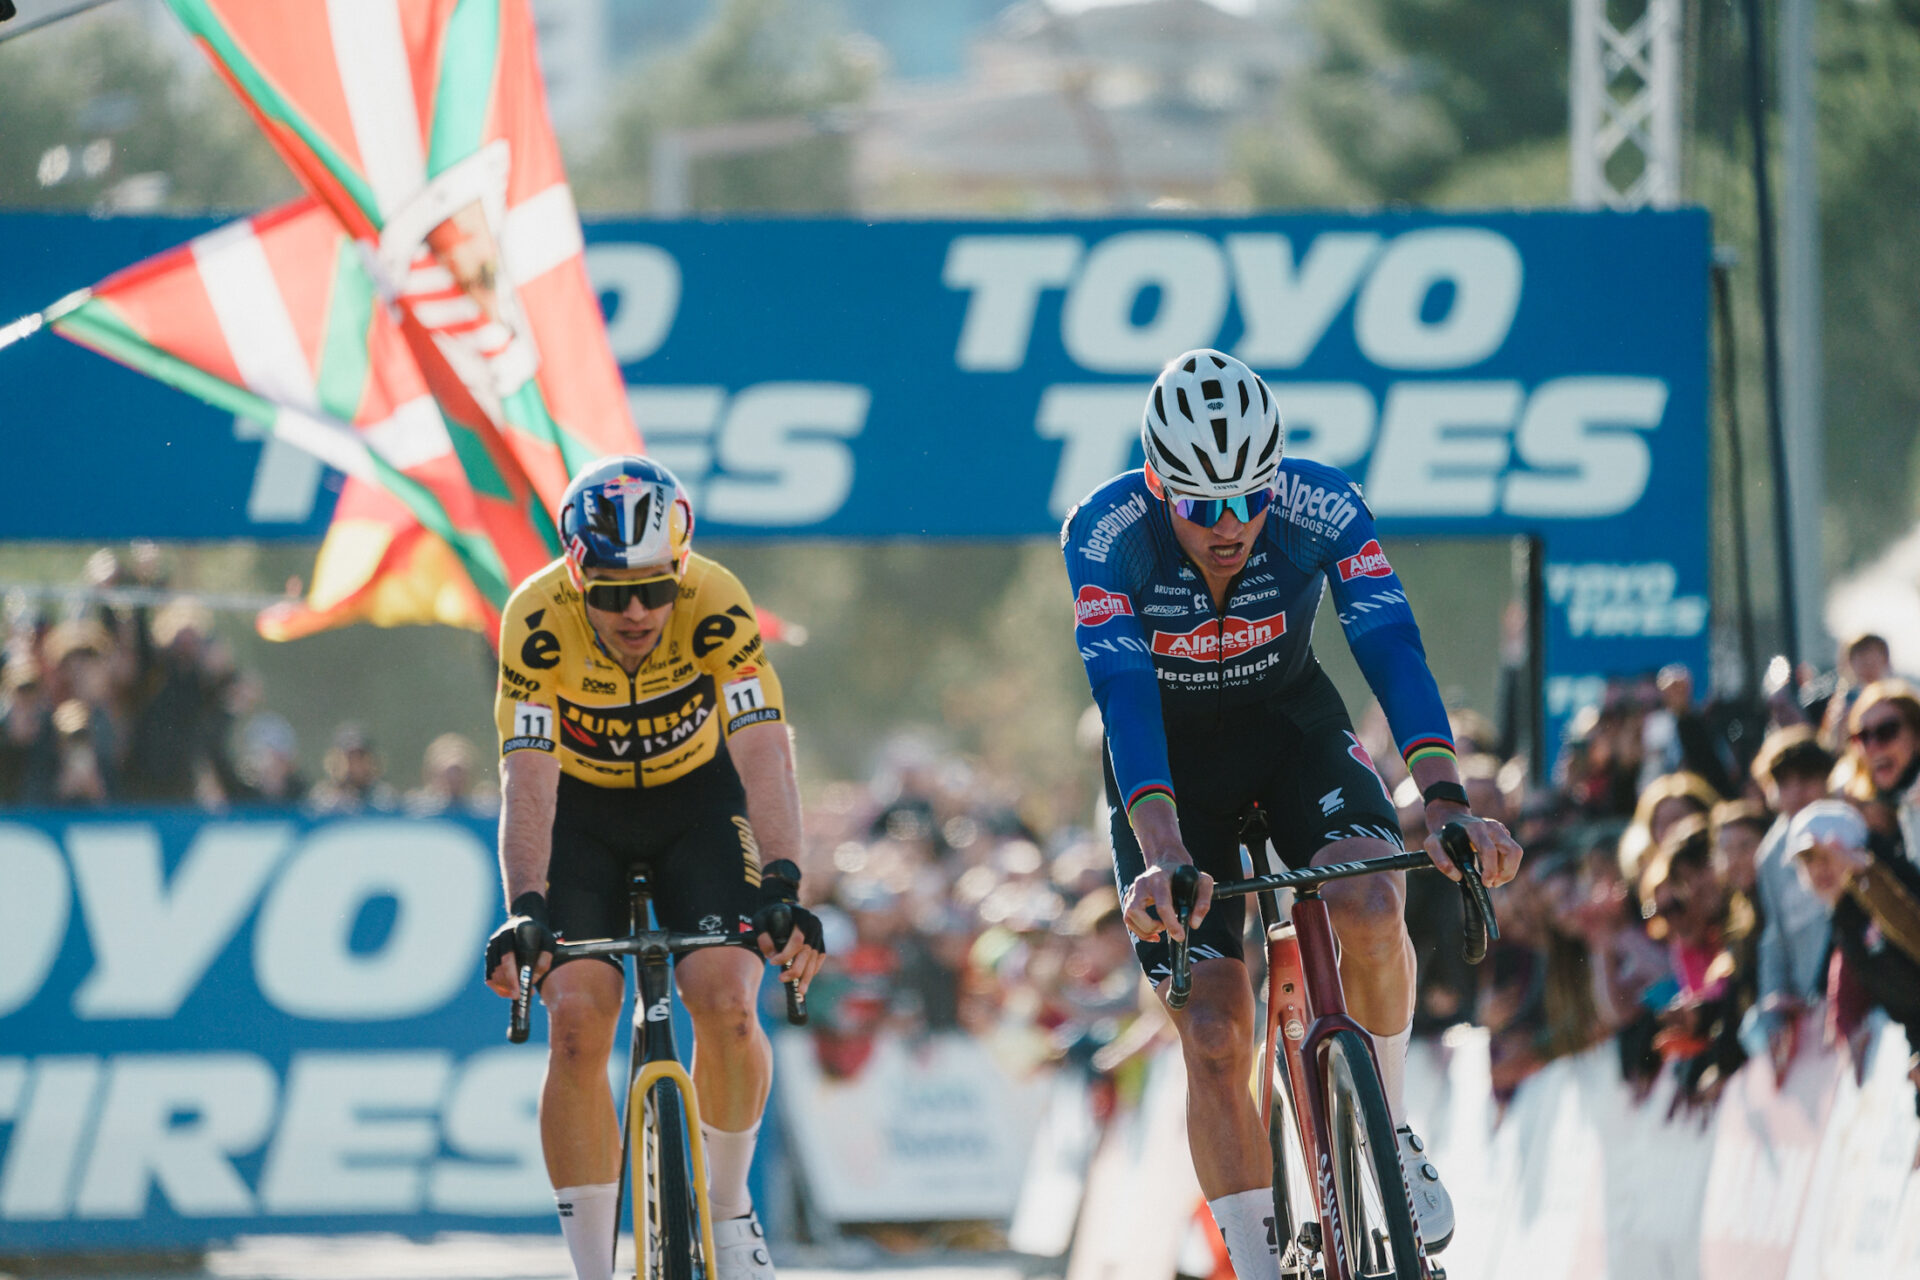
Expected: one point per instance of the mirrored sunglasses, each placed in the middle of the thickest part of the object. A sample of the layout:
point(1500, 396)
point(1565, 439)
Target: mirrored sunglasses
point(1206, 512)
point(652, 593)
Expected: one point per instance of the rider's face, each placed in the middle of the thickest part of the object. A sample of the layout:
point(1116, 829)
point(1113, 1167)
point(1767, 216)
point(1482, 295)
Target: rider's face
point(1220, 551)
point(631, 634)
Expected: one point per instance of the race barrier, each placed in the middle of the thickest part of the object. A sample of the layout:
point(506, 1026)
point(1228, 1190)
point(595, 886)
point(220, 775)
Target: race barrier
point(1581, 1180)
point(220, 1026)
point(1482, 375)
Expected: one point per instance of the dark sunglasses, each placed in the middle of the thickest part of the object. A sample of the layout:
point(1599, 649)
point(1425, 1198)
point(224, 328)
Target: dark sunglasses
point(1206, 512)
point(652, 593)
point(1878, 735)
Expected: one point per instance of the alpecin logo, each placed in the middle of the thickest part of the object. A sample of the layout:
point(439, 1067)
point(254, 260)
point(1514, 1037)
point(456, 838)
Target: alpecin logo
point(1222, 640)
point(1369, 562)
point(1094, 605)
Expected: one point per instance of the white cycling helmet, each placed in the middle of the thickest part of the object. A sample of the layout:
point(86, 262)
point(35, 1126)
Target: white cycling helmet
point(1211, 429)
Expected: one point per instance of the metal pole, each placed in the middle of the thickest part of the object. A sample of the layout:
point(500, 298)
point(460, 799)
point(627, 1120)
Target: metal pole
point(1729, 395)
point(48, 19)
point(1802, 373)
point(1770, 329)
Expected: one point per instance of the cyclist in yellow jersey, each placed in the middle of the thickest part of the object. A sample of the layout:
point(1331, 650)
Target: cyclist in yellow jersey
point(640, 721)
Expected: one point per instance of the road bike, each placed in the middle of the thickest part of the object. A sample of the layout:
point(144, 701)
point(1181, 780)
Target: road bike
point(1319, 1083)
point(660, 1139)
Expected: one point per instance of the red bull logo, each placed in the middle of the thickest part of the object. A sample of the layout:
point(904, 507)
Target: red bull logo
point(1094, 605)
point(1369, 562)
point(1229, 639)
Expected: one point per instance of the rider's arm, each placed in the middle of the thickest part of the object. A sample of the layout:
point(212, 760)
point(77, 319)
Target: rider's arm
point(763, 756)
point(1113, 646)
point(524, 713)
point(529, 785)
point(1380, 630)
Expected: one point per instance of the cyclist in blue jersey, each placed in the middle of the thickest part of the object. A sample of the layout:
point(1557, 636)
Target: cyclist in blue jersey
point(1195, 585)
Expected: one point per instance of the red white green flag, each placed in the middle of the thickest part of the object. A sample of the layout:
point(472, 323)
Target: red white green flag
point(276, 318)
point(422, 125)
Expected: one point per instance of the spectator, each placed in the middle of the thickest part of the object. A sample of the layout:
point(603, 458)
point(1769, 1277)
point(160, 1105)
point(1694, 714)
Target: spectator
point(1864, 660)
point(1875, 901)
point(447, 783)
point(269, 767)
point(1884, 735)
point(1707, 930)
point(29, 757)
point(1677, 738)
point(79, 780)
point(1738, 828)
point(1666, 799)
point(352, 783)
point(177, 747)
point(1792, 769)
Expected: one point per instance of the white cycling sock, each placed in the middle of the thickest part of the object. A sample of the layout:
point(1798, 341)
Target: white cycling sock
point(587, 1217)
point(1245, 1219)
point(729, 1156)
point(1392, 1052)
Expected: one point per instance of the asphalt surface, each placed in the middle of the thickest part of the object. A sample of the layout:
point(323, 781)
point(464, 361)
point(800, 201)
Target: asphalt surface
point(487, 1257)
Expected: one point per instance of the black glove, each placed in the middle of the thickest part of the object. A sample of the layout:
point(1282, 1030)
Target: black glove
point(526, 933)
point(779, 891)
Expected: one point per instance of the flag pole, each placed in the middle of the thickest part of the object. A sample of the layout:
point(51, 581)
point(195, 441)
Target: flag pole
point(28, 325)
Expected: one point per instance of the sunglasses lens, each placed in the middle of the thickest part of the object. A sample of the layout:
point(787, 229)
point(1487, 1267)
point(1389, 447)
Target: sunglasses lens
point(1206, 512)
point(613, 596)
point(657, 593)
point(1878, 735)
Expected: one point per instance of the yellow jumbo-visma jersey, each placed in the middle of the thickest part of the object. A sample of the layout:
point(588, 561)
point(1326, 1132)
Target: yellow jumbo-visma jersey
point(560, 693)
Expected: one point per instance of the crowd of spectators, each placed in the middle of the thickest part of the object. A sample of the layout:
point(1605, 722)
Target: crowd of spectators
point(143, 704)
point(1701, 881)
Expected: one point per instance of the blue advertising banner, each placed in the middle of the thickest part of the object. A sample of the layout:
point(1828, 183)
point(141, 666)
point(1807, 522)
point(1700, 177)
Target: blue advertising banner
point(1482, 375)
point(216, 1026)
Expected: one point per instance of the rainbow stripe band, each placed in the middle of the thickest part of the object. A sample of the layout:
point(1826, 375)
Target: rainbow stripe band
point(1148, 791)
point(1427, 749)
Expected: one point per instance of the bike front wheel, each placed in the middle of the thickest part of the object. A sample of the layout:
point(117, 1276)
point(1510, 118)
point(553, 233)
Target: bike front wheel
point(1374, 1233)
point(672, 1241)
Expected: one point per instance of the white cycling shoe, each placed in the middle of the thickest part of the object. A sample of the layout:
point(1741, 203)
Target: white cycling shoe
point(742, 1247)
point(1431, 1203)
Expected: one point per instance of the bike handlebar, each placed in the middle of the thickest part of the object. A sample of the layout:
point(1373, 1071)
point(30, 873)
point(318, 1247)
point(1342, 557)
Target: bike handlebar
point(1475, 904)
point(1186, 887)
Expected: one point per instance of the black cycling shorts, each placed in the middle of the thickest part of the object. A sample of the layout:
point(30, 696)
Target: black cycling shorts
point(693, 835)
point(1297, 757)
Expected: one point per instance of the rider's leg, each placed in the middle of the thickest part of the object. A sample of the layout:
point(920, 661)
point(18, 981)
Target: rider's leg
point(732, 1066)
point(1376, 955)
point(1224, 1128)
point(578, 1131)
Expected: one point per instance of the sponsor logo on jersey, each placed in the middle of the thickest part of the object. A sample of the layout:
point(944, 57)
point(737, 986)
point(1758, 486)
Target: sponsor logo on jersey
point(517, 679)
point(1227, 639)
point(1109, 526)
point(640, 731)
point(1166, 610)
point(589, 685)
point(1369, 562)
point(1094, 605)
point(1323, 511)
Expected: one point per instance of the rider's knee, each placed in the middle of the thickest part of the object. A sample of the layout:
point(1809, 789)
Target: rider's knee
point(724, 1003)
point(1213, 1038)
point(1368, 914)
point(581, 1023)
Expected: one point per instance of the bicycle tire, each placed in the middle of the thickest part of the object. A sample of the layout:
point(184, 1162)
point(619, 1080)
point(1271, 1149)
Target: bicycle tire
point(672, 1232)
point(1363, 1156)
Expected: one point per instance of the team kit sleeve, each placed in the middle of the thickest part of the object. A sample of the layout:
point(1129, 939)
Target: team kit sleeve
point(728, 645)
point(524, 709)
point(1113, 646)
point(1378, 622)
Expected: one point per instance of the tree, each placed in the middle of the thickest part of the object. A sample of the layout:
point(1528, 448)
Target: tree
point(759, 60)
point(98, 116)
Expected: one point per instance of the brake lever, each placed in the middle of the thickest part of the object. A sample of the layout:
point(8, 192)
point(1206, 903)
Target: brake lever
point(1481, 924)
point(1186, 888)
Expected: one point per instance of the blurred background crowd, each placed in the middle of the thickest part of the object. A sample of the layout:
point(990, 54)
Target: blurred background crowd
point(1700, 873)
point(139, 704)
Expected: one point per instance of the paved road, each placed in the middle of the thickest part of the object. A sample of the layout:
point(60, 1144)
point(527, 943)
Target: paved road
point(518, 1257)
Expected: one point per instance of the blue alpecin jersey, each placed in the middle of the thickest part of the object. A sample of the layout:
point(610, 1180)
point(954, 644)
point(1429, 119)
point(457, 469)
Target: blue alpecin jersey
point(1163, 660)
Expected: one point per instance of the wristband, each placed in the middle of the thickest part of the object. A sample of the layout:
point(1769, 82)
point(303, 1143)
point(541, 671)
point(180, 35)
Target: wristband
point(1451, 792)
point(532, 904)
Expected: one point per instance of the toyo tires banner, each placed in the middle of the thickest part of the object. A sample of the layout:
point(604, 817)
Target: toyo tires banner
point(216, 1026)
point(1482, 375)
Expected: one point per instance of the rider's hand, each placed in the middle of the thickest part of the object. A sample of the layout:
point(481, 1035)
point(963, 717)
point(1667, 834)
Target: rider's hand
point(806, 949)
point(1499, 852)
point(1157, 826)
point(525, 936)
